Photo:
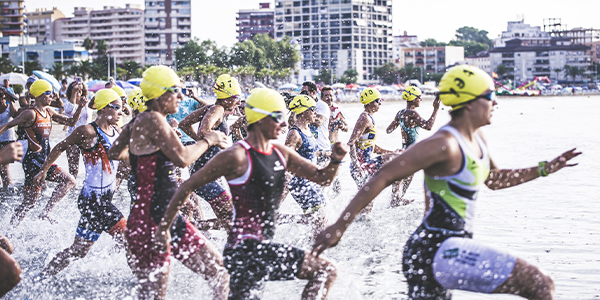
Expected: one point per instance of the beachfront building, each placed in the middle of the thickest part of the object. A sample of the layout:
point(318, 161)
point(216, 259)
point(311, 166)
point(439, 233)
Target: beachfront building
point(167, 26)
point(41, 25)
point(526, 62)
point(121, 27)
point(595, 52)
point(12, 17)
point(480, 60)
point(433, 59)
point(48, 54)
point(529, 35)
point(338, 34)
point(402, 42)
point(251, 22)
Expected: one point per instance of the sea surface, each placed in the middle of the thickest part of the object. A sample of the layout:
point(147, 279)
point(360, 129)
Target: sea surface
point(551, 222)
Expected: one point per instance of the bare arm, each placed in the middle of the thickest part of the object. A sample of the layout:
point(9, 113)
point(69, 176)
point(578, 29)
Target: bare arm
point(302, 167)
point(236, 127)
point(319, 120)
point(13, 109)
point(120, 148)
point(62, 119)
point(395, 123)
point(23, 119)
point(186, 124)
point(421, 156)
point(293, 139)
point(198, 99)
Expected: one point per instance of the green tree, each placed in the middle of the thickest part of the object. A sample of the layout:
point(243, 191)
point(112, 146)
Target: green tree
point(130, 69)
point(17, 88)
point(573, 71)
point(557, 71)
point(324, 76)
point(83, 68)
point(89, 44)
point(472, 39)
point(6, 66)
point(502, 70)
point(102, 47)
point(408, 72)
point(31, 65)
point(432, 43)
point(350, 76)
point(58, 71)
point(387, 74)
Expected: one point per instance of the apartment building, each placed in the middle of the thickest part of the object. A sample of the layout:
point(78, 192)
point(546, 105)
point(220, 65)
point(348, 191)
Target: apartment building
point(401, 42)
point(12, 17)
point(48, 54)
point(251, 22)
point(480, 60)
point(40, 24)
point(121, 28)
point(529, 35)
point(338, 34)
point(167, 26)
point(433, 59)
point(526, 62)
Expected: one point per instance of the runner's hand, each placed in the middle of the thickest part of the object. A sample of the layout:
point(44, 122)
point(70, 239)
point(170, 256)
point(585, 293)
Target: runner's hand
point(11, 153)
point(562, 161)
point(327, 238)
point(162, 240)
point(338, 151)
point(216, 138)
point(39, 180)
point(436, 102)
point(82, 101)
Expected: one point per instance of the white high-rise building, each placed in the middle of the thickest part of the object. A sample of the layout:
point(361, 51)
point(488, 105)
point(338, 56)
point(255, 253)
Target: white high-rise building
point(529, 35)
point(168, 26)
point(121, 28)
point(338, 34)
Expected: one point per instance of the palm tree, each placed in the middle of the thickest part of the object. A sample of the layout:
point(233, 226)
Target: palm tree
point(89, 44)
point(557, 71)
point(6, 66)
point(58, 71)
point(32, 65)
point(131, 68)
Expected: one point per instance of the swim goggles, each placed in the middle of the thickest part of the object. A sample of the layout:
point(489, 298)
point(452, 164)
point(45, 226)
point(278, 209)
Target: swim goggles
point(277, 116)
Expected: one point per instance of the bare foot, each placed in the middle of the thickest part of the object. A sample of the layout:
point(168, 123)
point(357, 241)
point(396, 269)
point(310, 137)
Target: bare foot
point(49, 219)
point(401, 202)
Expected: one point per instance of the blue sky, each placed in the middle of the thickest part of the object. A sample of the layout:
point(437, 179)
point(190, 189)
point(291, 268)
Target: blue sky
point(436, 19)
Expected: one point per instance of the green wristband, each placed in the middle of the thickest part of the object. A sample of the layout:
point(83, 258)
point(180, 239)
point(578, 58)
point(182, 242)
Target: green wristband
point(542, 169)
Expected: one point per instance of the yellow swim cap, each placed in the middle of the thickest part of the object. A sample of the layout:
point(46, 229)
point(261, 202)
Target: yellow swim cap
point(462, 84)
point(411, 93)
point(104, 97)
point(369, 95)
point(136, 100)
point(267, 100)
point(157, 80)
point(226, 86)
point(119, 91)
point(39, 87)
point(301, 103)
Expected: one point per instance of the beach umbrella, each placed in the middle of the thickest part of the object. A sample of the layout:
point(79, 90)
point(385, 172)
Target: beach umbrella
point(15, 78)
point(125, 85)
point(92, 82)
point(135, 81)
point(288, 86)
point(338, 85)
point(260, 85)
point(352, 86)
point(96, 86)
point(45, 76)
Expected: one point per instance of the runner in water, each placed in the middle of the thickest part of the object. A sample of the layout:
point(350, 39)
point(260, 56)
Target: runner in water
point(98, 214)
point(441, 254)
point(255, 170)
point(37, 123)
point(212, 118)
point(337, 121)
point(320, 127)
point(154, 152)
point(75, 91)
point(363, 146)
point(8, 111)
point(410, 121)
point(307, 194)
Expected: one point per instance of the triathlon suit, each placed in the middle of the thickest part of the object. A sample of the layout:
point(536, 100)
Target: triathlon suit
point(364, 151)
point(9, 135)
point(249, 256)
point(155, 183)
point(38, 139)
point(98, 214)
point(307, 194)
point(412, 134)
point(441, 255)
point(211, 191)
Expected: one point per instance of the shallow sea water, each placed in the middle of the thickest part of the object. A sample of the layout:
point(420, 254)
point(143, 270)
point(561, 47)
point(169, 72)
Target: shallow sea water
point(551, 222)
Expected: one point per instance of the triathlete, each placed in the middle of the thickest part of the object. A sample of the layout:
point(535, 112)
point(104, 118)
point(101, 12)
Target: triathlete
point(337, 121)
point(154, 152)
point(8, 111)
point(320, 127)
point(37, 122)
point(362, 142)
point(98, 214)
point(307, 194)
point(213, 118)
point(239, 128)
point(255, 171)
point(441, 254)
point(75, 91)
point(410, 121)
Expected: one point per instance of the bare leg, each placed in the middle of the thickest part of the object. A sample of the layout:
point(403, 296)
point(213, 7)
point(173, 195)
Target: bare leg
point(527, 281)
point(65, 183)
point(153, 283)
point(397, 198)
point(5, 175)
point(317, 221)
point(208, 262)
point(10, 273)
point(321, 274)
point(73, 160)
point(79, 249)
point(30, 196)
point(222, 205)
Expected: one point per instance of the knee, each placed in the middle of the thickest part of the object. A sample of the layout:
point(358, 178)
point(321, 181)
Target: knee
point(70, 181)
point(328, 269)
point(11, 274)
point(546, 285)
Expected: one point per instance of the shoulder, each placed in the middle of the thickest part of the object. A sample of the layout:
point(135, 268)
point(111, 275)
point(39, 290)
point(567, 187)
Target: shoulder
point(86, 131)
point(235, 154)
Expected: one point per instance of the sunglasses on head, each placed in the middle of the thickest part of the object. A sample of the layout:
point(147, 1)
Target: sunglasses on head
point(277, 116)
